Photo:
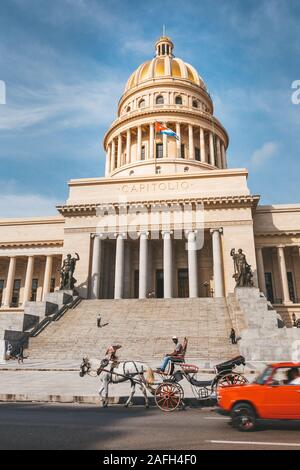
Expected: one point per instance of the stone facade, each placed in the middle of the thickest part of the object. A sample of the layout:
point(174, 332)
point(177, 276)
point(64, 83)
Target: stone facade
point(142, 253)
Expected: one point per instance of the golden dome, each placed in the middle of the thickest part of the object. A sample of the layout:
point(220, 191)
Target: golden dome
point(164, 65)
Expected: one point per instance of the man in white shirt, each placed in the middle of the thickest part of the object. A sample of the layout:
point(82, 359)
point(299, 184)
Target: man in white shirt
point(293, 376)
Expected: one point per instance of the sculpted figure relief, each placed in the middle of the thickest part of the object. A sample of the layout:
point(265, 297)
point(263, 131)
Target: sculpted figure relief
point(242, 270)
point(67, 271)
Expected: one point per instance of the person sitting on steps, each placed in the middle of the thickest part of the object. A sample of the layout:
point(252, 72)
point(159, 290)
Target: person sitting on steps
point(177, 353)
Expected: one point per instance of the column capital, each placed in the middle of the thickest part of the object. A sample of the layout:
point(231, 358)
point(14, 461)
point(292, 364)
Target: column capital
point(220, 230)
point(97, 235)
point(190, 231)
point(120, 235)
point(166, 232)
point(143, 232)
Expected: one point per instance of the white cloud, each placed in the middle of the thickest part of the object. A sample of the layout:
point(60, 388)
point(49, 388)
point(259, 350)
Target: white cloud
point(27, 205)
point(62, 106)
point(264, 153)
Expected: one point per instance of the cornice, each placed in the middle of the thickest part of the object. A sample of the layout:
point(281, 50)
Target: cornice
point(279, 233)
point(209, 203)
point(228, 172)
point(28, 244)
point(32, 221)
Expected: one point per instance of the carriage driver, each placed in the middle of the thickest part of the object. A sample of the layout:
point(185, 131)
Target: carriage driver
point(175, 354)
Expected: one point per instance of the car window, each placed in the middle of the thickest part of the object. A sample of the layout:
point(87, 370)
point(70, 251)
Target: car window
point(263, 376)
point(285, 375)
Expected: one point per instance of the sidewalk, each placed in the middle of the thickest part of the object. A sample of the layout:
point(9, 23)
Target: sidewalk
point(59, 381)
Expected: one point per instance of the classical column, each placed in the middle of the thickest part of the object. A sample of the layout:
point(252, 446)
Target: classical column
point(212, 149)
point(202, 146)
point(119, 269)
point(217, 262)
point(96, 266)
point(113, 155)
point(192, 264)
point(128, 147)
point(47, 276)
point(107, 161)
point(119, 163)
point(261, 270)
point(178, 142)
point(191, 143)
point(219, 156)
point(224, 159)
point(151, 141)
point(10, 281)
point(167, 264)
point(283, 274)
point(165, 145)
point(28, 279)
point(139, 143)
point(143, 265)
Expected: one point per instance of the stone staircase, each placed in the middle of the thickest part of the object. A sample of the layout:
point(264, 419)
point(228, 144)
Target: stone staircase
point(143, 327)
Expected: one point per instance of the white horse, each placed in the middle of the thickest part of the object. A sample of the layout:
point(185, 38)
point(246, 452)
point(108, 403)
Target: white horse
point(132, 371)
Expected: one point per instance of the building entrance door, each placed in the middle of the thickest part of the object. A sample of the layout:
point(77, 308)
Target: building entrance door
point(159, 284)
point(183, 283)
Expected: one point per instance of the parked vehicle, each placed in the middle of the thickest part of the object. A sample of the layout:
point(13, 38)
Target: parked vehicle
point(275, 394)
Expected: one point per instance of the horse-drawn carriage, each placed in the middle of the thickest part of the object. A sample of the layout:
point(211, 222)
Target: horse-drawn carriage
point(169, 393)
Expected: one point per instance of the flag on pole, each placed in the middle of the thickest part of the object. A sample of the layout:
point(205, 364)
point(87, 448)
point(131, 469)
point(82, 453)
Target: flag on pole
point(162, 129)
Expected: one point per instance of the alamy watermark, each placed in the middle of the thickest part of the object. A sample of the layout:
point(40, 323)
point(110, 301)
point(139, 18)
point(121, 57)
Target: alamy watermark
point(296, 94)
point(184, 221)
point(2, 92)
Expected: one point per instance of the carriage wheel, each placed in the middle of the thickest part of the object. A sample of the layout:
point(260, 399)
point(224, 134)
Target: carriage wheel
point(168, 396)
point(231, 379)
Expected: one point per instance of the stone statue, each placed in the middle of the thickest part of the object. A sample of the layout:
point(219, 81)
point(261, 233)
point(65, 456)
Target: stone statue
point(242, 270)
point(67, 271)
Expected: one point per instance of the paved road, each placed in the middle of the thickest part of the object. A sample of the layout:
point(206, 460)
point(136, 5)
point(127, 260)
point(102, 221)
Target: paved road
point(41, 426)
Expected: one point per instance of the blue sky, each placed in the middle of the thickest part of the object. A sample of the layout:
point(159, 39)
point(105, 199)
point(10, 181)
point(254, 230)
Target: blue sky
point(65, 64)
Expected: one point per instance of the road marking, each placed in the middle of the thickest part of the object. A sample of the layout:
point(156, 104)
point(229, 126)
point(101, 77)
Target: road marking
point(216, 417)
point(257, 443)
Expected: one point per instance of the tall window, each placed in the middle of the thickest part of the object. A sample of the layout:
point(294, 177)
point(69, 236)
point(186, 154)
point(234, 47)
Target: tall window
point(143, 152)
point(1, 290)
point(142, 104)
point(182, 151)
point(16, 293)
point(34, 288)
point(159, 150)
point(291, 286)
point(52, 284)
point(195, 104)
point(197, 154)
point(159, 100)
point(269, 287)
point(178, 100)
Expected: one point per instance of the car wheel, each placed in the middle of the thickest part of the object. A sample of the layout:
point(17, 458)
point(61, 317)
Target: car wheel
point(243, 417)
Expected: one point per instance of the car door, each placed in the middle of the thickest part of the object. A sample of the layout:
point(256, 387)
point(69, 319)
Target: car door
point(281, 400)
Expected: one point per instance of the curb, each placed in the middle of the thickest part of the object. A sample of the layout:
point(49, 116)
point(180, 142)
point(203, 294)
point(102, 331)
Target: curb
point(85, 399)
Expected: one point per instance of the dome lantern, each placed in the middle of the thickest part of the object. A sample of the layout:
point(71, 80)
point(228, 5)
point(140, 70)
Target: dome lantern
point(164, 47)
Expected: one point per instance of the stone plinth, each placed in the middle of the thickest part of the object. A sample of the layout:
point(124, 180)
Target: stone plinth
point(17, 321)
point(60, 297)
point(264, 339)
point(2, 351)
point(40, 309)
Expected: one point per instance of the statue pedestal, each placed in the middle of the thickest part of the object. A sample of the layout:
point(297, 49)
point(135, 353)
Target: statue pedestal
point(2, 351)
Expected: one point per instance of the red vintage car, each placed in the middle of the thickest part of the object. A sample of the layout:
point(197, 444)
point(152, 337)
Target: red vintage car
point(275, 394)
